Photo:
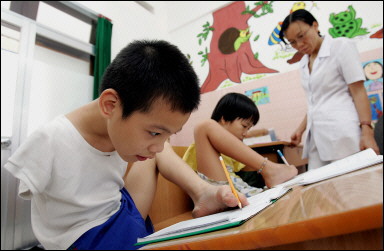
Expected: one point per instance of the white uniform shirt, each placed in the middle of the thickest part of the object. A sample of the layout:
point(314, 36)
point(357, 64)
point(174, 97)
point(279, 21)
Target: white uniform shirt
point(72, 186)
point(332, 118)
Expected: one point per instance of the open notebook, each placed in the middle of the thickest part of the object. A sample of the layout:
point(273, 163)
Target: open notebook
point(217, 221)
point(262, 200)
point(351, 163)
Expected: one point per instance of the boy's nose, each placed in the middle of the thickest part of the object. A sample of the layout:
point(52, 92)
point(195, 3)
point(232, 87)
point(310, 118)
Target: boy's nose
point(157, 148)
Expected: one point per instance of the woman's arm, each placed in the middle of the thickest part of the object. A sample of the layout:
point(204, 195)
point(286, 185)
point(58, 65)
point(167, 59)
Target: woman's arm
point(363, 108)
point(296, 136)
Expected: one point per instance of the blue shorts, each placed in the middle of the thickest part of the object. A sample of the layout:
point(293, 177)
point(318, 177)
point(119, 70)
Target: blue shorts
point(119, 232)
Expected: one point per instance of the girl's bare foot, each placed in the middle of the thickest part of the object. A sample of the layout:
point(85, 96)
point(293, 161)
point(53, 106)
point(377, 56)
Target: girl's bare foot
point(275, 174)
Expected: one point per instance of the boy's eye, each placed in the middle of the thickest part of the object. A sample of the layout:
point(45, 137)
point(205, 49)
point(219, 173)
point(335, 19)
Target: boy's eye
point(154, 133)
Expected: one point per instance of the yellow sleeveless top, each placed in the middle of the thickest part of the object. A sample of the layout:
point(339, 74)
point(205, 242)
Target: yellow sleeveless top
point(190, 158)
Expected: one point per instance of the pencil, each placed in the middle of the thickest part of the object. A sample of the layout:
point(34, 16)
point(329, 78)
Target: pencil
point(282, 157)
point(230, 181)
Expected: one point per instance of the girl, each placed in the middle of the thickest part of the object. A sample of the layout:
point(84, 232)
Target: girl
point(231, 119)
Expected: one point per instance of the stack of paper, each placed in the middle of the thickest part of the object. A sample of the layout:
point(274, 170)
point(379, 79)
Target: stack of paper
point(351, 163)
point(217, 221)
point(261, 139)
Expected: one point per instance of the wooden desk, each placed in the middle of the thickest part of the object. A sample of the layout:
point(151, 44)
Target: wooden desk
point(270, 149)
point(292, 154)
point(344, 212)
point(170, 200)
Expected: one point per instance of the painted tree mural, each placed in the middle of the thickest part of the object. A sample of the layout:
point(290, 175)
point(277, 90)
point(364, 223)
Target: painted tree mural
point(230, 50)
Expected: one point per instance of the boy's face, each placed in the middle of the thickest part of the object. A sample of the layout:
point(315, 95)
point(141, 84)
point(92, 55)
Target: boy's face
point(141, 135)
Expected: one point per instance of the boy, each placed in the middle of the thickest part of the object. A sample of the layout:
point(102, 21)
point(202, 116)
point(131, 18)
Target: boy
point(72, 169)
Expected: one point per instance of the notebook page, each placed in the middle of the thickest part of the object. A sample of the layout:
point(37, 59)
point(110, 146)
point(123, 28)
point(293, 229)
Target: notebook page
point(267, 195)
point(256, 204)
point(351, 163)
point(195, 223)
point(257, 140)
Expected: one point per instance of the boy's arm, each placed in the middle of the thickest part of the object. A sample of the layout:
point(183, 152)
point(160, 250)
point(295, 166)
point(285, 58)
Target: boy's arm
point(207, 198)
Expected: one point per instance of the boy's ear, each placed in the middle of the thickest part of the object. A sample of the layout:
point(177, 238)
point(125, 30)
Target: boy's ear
point(108, 102)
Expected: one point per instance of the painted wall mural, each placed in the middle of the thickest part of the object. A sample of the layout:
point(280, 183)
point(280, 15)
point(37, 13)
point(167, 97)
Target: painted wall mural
point(230, 51)
point(235, 50)
point(345, 24)
point(373, 71)
point(259, 96)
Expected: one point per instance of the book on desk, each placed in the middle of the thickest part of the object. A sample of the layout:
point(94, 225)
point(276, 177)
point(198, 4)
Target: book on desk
point(349, 164)
point(217, 221)
point(261, 201)
point(270, 137)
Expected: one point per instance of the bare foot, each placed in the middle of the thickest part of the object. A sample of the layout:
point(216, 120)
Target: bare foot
point(275, 174)
point(216, 199)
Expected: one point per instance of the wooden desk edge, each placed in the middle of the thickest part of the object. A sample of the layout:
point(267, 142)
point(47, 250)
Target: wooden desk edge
point(273, 143)
point(357, 220)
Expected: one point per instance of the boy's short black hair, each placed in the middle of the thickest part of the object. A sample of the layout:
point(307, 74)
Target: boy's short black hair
point(236, 105)
point(298, 15)
point(147, 70)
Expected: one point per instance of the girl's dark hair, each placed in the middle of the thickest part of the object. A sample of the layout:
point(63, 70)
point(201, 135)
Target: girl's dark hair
point(146, 71)
point(235, 105)
point(298, 15)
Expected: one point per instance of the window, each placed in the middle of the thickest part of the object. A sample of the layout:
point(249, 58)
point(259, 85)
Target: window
point(63, 22)
point(63, 17)
point(10, 36)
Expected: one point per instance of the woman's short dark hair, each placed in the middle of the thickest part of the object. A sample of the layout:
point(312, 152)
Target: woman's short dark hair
point(145, 71)
point(298, 15)
point(235, 105)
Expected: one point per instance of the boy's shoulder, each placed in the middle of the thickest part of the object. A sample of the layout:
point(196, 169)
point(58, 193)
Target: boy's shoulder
point(56, 128)
point(42, 143)
point(57, 124)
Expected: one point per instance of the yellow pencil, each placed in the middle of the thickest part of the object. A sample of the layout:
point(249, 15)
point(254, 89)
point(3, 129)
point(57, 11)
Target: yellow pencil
point(230, 181)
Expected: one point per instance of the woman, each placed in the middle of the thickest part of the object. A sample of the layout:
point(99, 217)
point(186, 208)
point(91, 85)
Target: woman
point(338, 120)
